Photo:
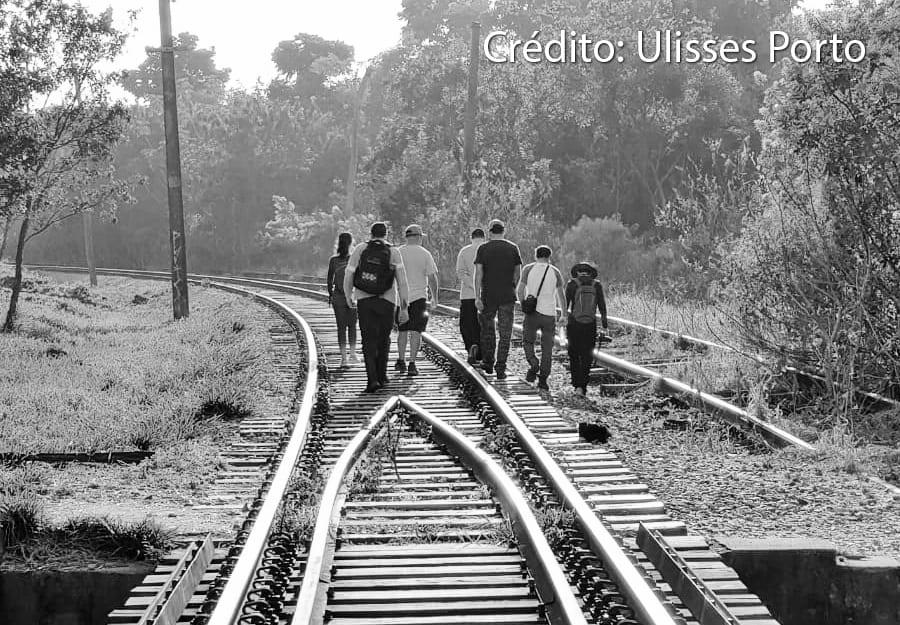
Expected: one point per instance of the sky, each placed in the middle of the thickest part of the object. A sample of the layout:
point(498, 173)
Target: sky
point(245, 33)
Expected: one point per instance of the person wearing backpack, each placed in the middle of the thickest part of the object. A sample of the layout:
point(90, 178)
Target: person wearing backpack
point(344, 316)
point(375, 279)
point(539, 290)
point(584, 297)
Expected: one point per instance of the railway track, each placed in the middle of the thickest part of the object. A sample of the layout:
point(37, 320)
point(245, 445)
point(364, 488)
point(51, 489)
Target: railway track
point(733, 414)
point(424, 542)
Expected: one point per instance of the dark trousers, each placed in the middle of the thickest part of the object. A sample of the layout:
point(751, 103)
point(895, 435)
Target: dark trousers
point(581, 337)
point(345, 317)
point(469, 327)
point(496, 319)
point(530, 326)
point(376, 318)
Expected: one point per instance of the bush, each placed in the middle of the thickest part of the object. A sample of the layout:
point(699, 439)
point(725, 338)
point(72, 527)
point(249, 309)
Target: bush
point(613, 247)
point(816, 272)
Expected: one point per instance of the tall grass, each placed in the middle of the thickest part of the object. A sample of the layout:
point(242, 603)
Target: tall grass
point(89, 370)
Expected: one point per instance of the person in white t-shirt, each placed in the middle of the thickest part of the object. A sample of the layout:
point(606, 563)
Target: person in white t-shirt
point(421, 272)
point(469, 327)
point(544, 282)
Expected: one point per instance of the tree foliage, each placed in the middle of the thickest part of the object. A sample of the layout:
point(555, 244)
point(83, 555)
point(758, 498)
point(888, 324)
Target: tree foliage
point(817, 270)
point(58, 131)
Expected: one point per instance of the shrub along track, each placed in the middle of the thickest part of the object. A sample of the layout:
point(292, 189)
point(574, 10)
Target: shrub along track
point(259, 578)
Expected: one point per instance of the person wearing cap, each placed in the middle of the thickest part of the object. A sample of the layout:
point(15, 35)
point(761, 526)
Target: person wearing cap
point(421, 271)
point(469, 327)
point(498, 265)
point(584, 298)
point(542, 281)
point(376, 311)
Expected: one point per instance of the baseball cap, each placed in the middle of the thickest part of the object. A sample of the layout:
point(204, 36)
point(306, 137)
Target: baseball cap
point(496, 226)
point(413, 230)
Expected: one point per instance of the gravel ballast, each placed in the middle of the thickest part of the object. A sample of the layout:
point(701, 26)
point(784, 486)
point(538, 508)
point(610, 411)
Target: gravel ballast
point(720, 486)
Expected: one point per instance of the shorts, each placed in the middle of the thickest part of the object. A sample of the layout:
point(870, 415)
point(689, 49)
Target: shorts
point(418, 317)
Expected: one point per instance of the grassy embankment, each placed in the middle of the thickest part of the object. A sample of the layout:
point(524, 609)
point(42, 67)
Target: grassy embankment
point(103, 369)
point(859, 442)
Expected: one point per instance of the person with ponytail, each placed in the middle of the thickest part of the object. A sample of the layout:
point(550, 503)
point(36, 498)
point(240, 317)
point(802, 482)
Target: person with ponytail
point(344, 315)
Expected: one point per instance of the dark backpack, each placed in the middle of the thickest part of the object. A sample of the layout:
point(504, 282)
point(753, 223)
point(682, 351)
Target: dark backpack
point(340, 268)
point(374, 274)
point(584, 303)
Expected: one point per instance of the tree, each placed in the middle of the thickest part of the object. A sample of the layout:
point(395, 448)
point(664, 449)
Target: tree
point(56, 157)
point(816, 272)
point(308, 66)
point(619, 137)
point(195, 70)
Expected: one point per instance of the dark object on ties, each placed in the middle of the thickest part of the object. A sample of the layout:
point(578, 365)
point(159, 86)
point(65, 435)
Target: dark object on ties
point(603, 339)
point(594, 432)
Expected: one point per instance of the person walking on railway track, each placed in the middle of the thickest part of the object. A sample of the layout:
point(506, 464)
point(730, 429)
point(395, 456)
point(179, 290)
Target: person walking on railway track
point(421, 272)
point(540, 289)
point(469, 327)
point(498, 265)
point(375, 280)
point(584, 298)
point(344, 316)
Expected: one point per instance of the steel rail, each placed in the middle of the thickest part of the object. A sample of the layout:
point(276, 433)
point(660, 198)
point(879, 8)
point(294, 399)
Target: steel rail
point(628, 323)
point(676, 388)
point(553, 588)
point(874, 397)
point(315, 561)
point(670, 386)
point(228, 607)
point(636, 587)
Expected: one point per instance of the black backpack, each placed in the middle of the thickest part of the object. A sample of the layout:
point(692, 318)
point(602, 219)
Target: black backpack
point(374, 274)
point(584, 302)
point(339, 270)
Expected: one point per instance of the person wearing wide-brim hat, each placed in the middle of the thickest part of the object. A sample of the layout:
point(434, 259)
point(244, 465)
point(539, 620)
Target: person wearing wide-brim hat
point(584, 299)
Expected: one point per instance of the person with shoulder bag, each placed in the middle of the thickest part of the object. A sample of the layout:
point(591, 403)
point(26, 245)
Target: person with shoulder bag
point(584, 298)
point(375, 284)
point(539, 291)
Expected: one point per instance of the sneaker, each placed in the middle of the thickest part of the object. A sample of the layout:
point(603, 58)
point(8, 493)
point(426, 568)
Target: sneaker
point(353, 357)
point(343, 362)
point(413, 369)
point(582, 391)
point(473, 354)
point(400, 365)
point(487, 368)
point(372, 388)
point(501, 373)
point(531, 376)
point(384, 382)
point(542, 385)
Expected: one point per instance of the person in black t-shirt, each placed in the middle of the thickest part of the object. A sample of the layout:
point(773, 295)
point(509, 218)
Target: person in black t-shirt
point(498, 265)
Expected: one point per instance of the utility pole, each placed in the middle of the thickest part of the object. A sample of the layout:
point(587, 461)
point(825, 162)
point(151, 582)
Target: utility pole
point(87, 219)
point(354, 144)
point(173, 166)
point(471, 107)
